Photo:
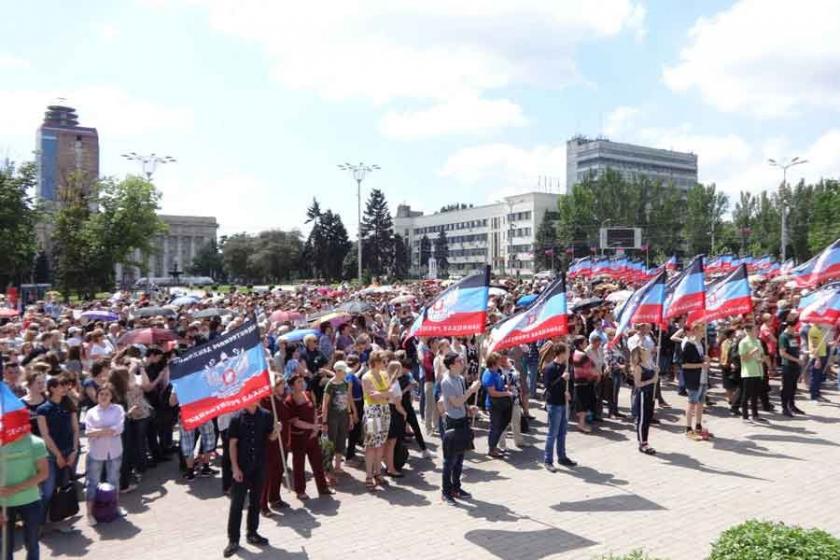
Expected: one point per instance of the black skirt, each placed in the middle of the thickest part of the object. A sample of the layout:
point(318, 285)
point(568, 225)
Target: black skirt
point(396, 429)
point(584, 397)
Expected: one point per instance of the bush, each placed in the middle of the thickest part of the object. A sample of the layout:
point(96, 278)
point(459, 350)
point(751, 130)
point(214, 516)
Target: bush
point(763, 540)
point(633, 555)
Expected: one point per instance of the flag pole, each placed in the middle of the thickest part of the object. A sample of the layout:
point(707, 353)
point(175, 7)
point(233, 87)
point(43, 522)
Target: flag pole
point(280, 440)
point(4, 526)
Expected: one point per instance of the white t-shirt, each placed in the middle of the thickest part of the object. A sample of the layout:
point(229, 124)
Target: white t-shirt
point(645, 342)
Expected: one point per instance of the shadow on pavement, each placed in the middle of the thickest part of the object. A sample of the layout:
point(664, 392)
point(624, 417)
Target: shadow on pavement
point(592, 476)
point(618, 502)
point(688, 462)
point(793, 439)
point(750, 448)
point(273, 553)
point(526, 545)
point(72, 543)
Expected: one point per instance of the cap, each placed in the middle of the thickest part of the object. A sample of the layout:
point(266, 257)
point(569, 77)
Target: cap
point(450, 358)
point(340, 365)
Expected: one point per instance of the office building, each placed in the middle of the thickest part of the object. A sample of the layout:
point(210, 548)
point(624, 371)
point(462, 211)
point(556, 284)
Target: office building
point(499, 234)
point(65, 152)
point(588, 156)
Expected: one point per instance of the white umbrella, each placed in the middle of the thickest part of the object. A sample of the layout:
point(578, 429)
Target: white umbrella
point(494, 291)
point(619, 296)
point(405, 298)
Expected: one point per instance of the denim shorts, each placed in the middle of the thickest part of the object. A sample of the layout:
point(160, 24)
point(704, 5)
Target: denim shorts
point(697, 395)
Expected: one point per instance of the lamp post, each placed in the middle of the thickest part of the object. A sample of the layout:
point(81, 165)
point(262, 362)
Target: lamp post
point(148, 163)
point(784, 168)
point(359, 172)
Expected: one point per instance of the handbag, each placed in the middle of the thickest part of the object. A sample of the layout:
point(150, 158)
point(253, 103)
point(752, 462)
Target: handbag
point(523, 424)
point(65, 500)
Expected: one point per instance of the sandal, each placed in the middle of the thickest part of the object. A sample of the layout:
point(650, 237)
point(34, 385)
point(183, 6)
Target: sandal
point(647, 450)
point(379, 480)
point(370, 484)
point(302, 497)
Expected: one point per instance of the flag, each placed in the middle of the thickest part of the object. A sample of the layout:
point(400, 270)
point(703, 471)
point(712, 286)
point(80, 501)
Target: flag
point(460, 310)
point(827, 265)
point(545, 318)
point(14, 417)
point(223, 375)
point(644, 306)
point(687, 292)
point(824, 309)
point(728, 296)
point(802, 274)
point(671, 264)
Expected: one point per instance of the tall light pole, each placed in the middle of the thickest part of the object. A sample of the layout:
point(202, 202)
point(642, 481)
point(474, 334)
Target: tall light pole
point(359, 172)
point(784, 168)
point(148, 162)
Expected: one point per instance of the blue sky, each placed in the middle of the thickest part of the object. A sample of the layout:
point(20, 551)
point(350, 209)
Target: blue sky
point(458, 102)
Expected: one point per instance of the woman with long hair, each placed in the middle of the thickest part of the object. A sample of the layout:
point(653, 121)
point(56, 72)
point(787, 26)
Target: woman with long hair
point(376, 388)
point(644, 381)
point(396, 427)
point(36, 386)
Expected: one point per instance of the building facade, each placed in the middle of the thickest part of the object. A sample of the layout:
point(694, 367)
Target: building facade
point(66, 152)
point(179, 245)
point(500, 234)
point(587, 156)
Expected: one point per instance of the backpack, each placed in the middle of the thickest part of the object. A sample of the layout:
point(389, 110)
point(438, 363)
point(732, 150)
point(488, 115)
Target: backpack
point(105, 503)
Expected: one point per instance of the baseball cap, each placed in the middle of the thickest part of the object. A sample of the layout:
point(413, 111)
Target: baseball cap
point(450, 358)
point(340, 365)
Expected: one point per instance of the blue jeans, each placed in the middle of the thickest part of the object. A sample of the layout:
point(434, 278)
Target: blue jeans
point(94, 475)
point(31, 515)
point(816, 380)
point(558, 424)
point(681, 385)
point(617, 380)
point(533, 375)
point(49, 485)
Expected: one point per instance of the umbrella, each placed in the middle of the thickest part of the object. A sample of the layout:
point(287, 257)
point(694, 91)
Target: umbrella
point(357, 307)
point(8, 313)
point(281, 316)
point(526, 300)
point(619, 296)
point(297, 335)
point(405, 298)
point(494, 291)
point(147, 336)
point(335, 318)
point(153, 312)
point(99, 315)
point(586, 303)
point(184, 300)
point(212, 312)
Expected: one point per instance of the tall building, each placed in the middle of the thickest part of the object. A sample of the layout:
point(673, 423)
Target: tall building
point(500, 234)
point(65, 150)
point(588, 156)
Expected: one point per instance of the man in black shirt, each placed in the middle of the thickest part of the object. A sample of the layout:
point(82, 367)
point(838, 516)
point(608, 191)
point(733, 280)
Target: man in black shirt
point(249, 433)
point(557, 397)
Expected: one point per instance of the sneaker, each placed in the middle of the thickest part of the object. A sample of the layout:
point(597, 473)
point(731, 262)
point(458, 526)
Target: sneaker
point(448, 500)
point(207, 471)
point(461, 495)
point(121, 512)
point(428, 454)
point(91, 520)
point(761, 420)
point(797, 410)
point(230, 549)
point(549, 467)
point(130, 488)
point(748, 421)
point(566, 462)
point(190, 475)
point(257, 539)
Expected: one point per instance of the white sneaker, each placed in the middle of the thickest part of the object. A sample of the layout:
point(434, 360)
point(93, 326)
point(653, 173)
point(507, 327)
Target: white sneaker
point(91, 520)
point(121, 512)
point(428, 454)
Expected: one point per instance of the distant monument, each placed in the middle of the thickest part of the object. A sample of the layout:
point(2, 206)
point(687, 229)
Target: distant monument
point(432, 269)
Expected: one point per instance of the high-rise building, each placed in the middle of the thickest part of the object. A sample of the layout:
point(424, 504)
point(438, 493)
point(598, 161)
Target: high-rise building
point(501, 234)
point(65, 151)
point(593, 156)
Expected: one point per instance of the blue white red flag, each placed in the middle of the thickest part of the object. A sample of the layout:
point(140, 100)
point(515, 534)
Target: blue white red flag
point(644, 306)
point(581, 267)
point(824, 309)
point(223, 375)
point(671, 264)
point(14, 416)
point(827, 265)
point(802, 274)
point(728, 296)
point(460, 310)
point(547, 317)
point(687, 292)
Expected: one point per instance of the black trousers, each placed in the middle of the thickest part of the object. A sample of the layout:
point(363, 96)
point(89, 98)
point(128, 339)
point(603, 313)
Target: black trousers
point(411, 420)
point(750, 389)
point(355, 435)
point(227, 470)
point(764, 391)
point(790, 376)
point(643, 406)
point(252, 486)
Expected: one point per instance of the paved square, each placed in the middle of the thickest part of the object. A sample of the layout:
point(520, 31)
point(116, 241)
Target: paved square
point(673, 504)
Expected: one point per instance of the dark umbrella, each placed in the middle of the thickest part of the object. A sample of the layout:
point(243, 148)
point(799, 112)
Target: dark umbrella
point(147, 337)
point(357, 307)
point(211, 312)
point(153, 312)
point(100, 315)
point(586, 303)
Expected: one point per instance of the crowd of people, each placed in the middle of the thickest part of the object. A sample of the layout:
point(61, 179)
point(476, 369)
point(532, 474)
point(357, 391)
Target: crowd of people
point(354, 391)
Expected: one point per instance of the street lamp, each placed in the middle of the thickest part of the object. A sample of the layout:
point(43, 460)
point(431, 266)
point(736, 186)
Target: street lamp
point(359, 172)
point(148, 163)
point(784, 168)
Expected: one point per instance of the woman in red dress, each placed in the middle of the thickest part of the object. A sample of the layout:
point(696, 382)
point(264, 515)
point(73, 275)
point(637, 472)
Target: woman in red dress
point(274, 461)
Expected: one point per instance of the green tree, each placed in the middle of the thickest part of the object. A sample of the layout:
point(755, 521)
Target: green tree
point(766, 231)
point(442, 252)
point(825, 227)
point(236, 251)
point(545, 240)
point(336, 245)
point(276, 255)
point(425, 251)
point(208, 261)
point(705, 208)
point(19, 216)
point(402, 257)
point(377, 230)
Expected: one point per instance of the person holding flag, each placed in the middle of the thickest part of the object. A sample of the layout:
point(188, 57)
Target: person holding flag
point(23, 467)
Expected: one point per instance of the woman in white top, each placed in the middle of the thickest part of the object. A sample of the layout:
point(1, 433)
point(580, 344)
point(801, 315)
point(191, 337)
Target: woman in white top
point(103, 428)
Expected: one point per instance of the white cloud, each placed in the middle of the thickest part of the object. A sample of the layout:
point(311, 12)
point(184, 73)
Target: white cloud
point(12, 62)
point(431, 50)
point(114, 111)
point(108, 31)
point(765, 57)
point(619, 119)
point(507, 169)
point(460, 115)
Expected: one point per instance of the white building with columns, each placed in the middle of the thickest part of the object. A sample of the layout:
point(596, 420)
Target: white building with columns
point(501, 234)
point(180, 244)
